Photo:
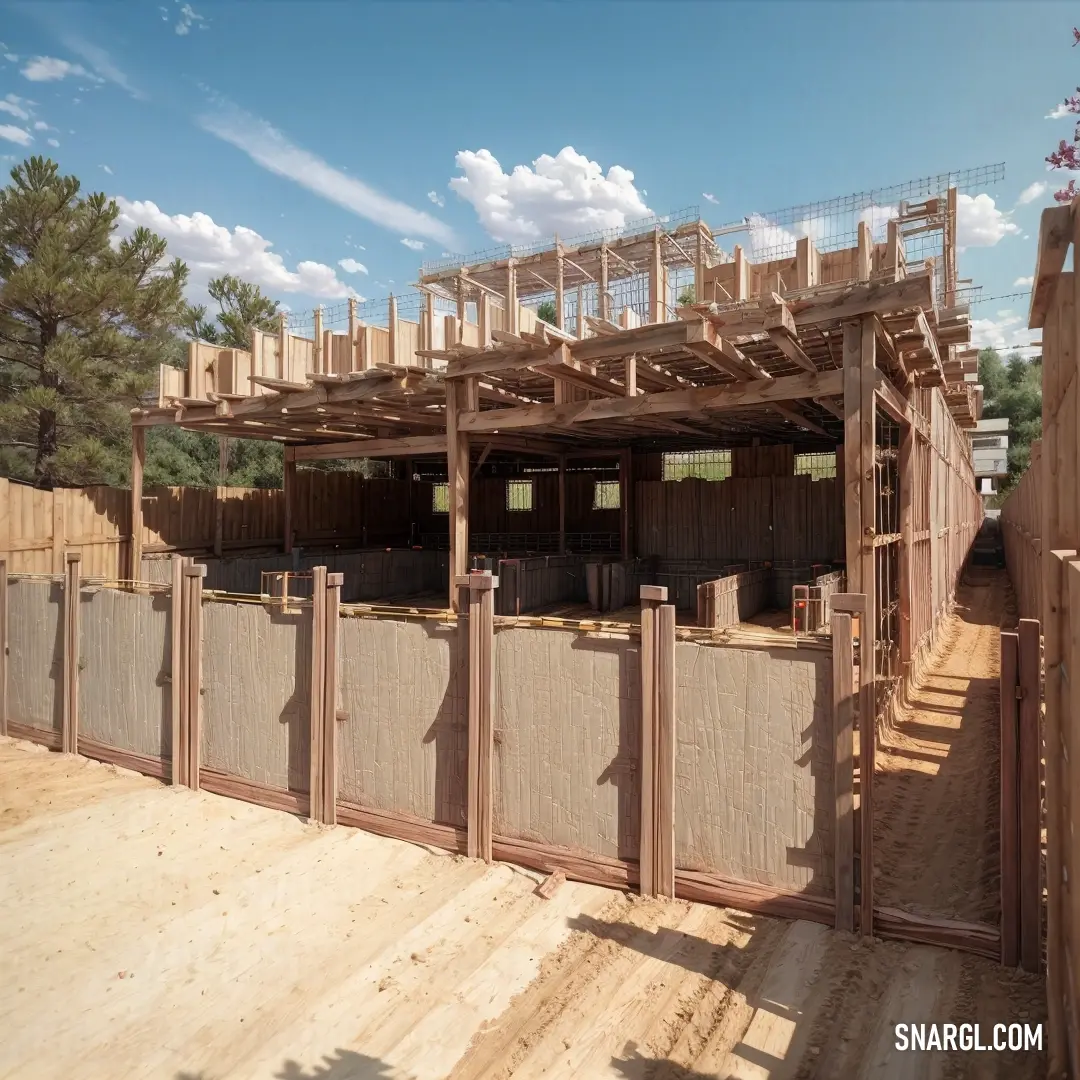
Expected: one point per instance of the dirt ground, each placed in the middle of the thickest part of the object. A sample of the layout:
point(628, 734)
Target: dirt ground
point(152, 932)
point(936, 796)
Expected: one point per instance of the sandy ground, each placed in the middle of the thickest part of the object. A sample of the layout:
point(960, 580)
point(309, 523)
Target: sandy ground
point(936, 789)
point(151, 932)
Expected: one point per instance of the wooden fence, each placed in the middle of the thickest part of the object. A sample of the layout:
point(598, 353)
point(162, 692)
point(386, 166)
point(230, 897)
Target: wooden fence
point(1041, 521)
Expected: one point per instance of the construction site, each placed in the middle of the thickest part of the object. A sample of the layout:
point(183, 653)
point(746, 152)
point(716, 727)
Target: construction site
point(639, 709)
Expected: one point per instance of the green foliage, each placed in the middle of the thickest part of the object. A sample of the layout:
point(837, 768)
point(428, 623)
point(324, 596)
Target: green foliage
point(82, 324)
point(687, 297)
point(546, 311)
point(1013, 389)
point(242, 307)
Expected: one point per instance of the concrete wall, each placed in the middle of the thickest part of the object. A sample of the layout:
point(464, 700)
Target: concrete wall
point(567, 721)
point(35, 678)
point(403, 688)
point(753, 764)
point(125, 697)
point(256, 693)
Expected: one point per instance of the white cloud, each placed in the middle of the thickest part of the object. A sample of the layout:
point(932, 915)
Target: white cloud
point(188, 16)
point(1031, 193)
point(709, 197)
point(269, 148)
point(979, 223)
point(53, 142)
point(14, 109)
point(436, 198)
point(413, 245)
point(1006, 332)
point(15, 134)
point(351, 266)
point(210, 249)
point(1059, 112)
point(107, 169)
point(1024, 282)
point(102, 63)
point(877, 219)
point(52, 69)
point(39, 125)
point(769, 240)
point(567, 194)
point(11, 58)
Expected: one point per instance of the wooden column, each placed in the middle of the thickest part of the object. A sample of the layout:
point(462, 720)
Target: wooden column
point(318, 358)
point(562, 504)
point(1009, 817)
point(331, 675)
point(806, 263)
point(657, 854)
point(843, 666)
point(59, 530)
point(391, 325)
point(283, 346)
point(461, 396)
point(176, 669)
point(460, 307)
point(741, 287)
point(191, 674)
point(3, 645)
point(906, 474)
point(949, 246)
point(69, 737)
point(579, 329)
point(656, 281)
point(864, 260)
point(354, 363)
point(138, 464)
point(288, 483)
point(511, 325)
point(560, 297)
point(483, 314)
point(322, 722)
point(625, 488)
point(480, 587)
point(603, 307)
point(219, 519)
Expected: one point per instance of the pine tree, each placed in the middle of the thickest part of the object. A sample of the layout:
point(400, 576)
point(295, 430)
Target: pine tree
point(82, 318)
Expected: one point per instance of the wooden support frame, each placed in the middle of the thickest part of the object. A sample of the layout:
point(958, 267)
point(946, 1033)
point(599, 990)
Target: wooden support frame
point(657, 854)
point(69, 739)
point(843, 666)
point(480, 587)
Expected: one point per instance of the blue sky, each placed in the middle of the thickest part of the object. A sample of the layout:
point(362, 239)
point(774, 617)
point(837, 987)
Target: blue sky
point(300, 144)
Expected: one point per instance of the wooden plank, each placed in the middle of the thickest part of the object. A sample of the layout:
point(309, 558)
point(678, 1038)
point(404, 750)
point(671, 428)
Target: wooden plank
point(1029, 799)
point(193, 577)
point(665, 403)
point(906, 478)
point(853, 456)
point(59, 531)
point(550, 885)
point(479, 814)
point(70, 731)
point(843, 666)
point(316, 810)
point(409, 446)
point(329, 717)
point(664, 727)
point(176, 671)
point(1055, 235)
point(1010, 861)
point(3, 645)
point(457, 464)
point(138, 464)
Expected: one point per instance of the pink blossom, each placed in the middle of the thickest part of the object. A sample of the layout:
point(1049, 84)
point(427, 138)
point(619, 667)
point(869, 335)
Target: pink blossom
point(1067, 194)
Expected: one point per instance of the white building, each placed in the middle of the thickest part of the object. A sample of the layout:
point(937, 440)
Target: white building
point(990, 453)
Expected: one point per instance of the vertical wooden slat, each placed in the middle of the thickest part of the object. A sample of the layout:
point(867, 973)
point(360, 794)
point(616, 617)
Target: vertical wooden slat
point(59, 522)
point(1030, 840)
point(176, 665)
point(288, 481)
point(193, 578)
point(1010, 819)
point(318, 692)
point(70, 732)
point(331, 612)
point(138, 463)
point(625, 478)
point(843, 670)
point(906, 476)
point(3, 644)
point(665, 751)
point(652, 596)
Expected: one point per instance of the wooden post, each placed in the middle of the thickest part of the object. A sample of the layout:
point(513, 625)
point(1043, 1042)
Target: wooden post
point(579, 329)
point(741, 288)
point(560, 298)
point(138, 463)
point(651, 598)
point(906, 474)
point(603, 310)
point(283, 346)
point(864, 266)
point(219, 519)
point(1010, 812)
point(480, 586)
point(657, 853)
point(1030, 796)
point(288, 484)
point(949, 248)
point(511, 324)
point(562, 504)
point(332, 611)
point(318, 359)
point(191, 737)
point(3, 645)
point(316, 726)
point(354, 360)
point(657, 312)
point(843, 666)
point(59, 538)
point(483, 315)
point(461, 307)
point(176, 670)
point(624, 502)
point(461, 396)
point(69, 742)
point(806, 263)
point(391, 325)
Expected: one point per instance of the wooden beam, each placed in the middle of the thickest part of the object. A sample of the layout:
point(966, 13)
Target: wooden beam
point(409, 446)
point(780, 326)
point(647, 832)
point(891, 400)
point(316, 727)
point(843, 665)
point(831, 405)
point(1055, 235)
point(459, 397)
point(664, 751)
point(69, 741)
point(630, 368)
point(192, 743)
point(793, 416)
point(135, 528)
point(667, 403)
